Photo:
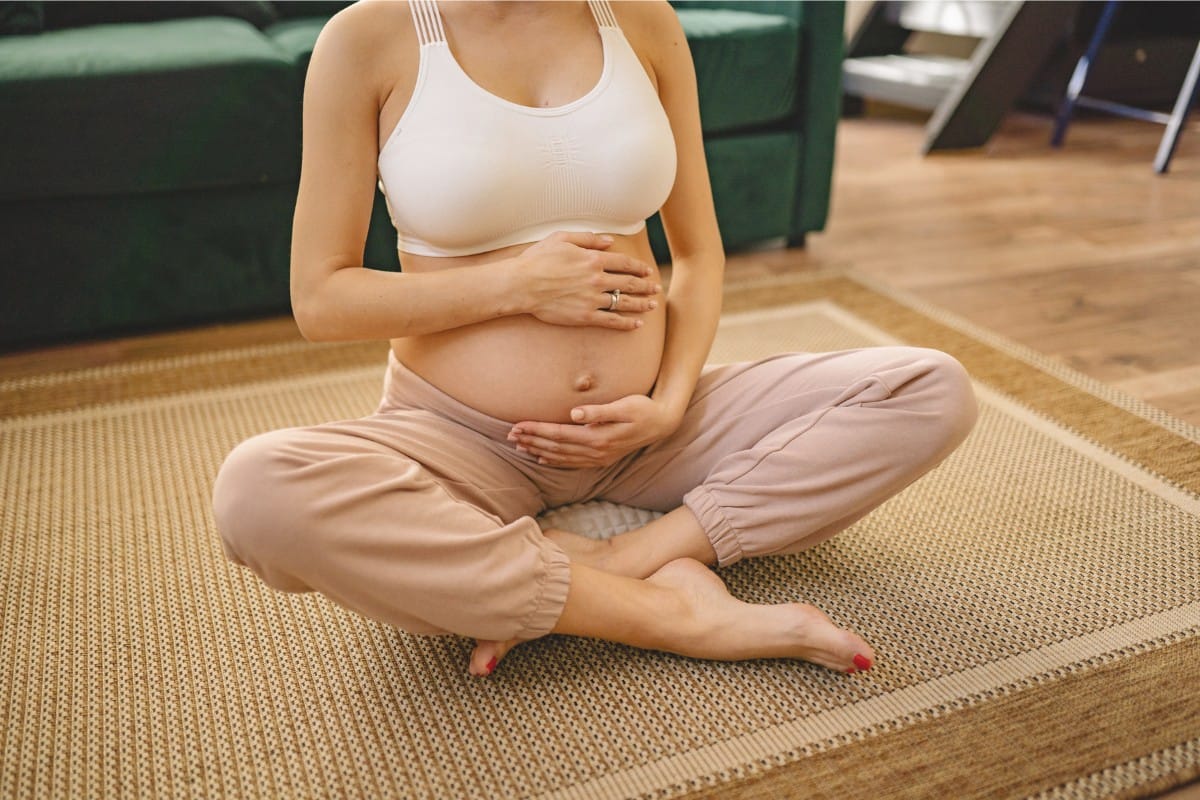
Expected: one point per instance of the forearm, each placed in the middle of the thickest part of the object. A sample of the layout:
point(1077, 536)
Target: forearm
point(693, 309)
point(355, 303)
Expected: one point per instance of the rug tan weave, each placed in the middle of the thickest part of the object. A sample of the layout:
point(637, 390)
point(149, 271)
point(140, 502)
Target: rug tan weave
point(1033, 602)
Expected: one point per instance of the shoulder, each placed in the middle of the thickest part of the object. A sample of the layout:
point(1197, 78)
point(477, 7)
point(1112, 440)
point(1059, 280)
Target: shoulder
point(368, 41)
point(369, 23)
point(653, 23)
point(653, 30)
point(652, 15)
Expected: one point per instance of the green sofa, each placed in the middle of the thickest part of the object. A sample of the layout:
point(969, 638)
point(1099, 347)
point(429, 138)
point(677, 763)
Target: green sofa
point(151, 152)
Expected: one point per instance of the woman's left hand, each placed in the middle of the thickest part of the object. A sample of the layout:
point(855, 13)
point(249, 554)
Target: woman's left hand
point(599, 435)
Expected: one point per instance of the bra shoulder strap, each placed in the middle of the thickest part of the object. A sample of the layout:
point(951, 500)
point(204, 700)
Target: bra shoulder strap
point(428, 20)
point(603, 13)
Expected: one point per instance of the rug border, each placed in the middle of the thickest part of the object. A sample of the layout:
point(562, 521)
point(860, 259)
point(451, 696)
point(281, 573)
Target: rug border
point(986, 753)
point(1044, 363)
point(1172, 456)
point(1163, 452)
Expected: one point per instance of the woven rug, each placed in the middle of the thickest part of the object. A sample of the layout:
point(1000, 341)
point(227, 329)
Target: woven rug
point(1033, 602)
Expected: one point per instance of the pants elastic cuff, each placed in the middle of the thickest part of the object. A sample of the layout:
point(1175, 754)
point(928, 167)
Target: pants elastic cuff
point(712, 519)
point(556, 580)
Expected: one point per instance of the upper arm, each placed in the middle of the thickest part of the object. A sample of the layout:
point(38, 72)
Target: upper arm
point(688, 216)
point(338, 160)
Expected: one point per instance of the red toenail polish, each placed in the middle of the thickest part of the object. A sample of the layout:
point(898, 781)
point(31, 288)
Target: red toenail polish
point(491, 665)
point(862, 662)
point(851, 671)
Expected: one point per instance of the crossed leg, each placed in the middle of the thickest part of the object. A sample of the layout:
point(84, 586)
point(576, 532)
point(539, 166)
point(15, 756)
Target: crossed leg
point(774, 457)
point(348, 510)
point(343, 510)
point(685, 608)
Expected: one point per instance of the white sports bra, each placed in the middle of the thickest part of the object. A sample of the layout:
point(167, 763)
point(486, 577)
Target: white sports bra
point(465, 171)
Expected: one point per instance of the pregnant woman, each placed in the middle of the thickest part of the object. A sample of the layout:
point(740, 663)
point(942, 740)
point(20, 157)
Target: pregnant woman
point(537, 361)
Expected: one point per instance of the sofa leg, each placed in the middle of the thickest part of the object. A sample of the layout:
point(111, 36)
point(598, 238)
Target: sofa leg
point(796, 240)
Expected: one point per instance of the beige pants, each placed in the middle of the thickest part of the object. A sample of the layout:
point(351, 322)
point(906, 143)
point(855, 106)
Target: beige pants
point(421, 514)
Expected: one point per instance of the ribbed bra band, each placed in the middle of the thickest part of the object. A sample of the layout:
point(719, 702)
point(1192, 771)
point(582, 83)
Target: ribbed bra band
point(603, 13)
point(429, 20)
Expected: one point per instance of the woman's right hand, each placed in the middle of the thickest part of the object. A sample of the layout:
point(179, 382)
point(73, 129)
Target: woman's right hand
point(566, 279)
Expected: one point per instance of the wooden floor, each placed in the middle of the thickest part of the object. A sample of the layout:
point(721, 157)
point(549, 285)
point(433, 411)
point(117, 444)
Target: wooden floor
point(1083, 254)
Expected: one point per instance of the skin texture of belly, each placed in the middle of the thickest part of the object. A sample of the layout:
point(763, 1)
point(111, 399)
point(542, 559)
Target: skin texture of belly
point(519, 368)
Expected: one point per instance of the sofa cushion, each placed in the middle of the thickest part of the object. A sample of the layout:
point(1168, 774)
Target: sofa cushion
point(76, 13)
point(746, 65)
point(288, 9)
point(144, 107)
point(296, 37)
point(79, 266)
point(753, 180)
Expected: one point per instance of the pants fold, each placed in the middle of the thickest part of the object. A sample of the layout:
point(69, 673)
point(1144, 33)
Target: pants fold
point(421, 515)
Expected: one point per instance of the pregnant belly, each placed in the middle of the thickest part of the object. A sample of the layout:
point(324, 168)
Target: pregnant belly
point(522, 369)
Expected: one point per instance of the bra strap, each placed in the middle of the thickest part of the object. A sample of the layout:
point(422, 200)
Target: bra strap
point(428, 21)
point(603, 13)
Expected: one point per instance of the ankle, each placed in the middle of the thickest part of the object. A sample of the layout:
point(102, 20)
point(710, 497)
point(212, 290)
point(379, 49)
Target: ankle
point(671, 623)
point(681, 627)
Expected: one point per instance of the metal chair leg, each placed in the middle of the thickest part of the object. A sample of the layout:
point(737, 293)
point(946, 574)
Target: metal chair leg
point(1187, 97)
point(1079, 76)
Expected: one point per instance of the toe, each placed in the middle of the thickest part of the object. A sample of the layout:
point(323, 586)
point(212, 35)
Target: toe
point(487, 654)
point(484, 658)
point(856, 654)
point(830, 646)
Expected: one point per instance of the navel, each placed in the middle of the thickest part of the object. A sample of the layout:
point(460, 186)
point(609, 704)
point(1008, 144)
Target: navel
point(584, 382)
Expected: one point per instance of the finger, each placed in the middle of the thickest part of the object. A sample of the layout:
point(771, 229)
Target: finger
point(608, 319)
point(548, 447)
point(592, 241)
point(607, 412)
point(566, 459)
point(552, 430)
point(634, 304)
point(624, 302)
point(558, 451)
point(635, 286)
point(619, 264)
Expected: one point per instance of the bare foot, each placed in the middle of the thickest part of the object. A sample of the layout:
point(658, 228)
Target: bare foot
point(716, 625)
point(724, 628)
point(487, 654)
point(595, 553)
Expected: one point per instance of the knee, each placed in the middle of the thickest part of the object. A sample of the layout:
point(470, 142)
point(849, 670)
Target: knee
point(950, 400)
point(251, 505)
